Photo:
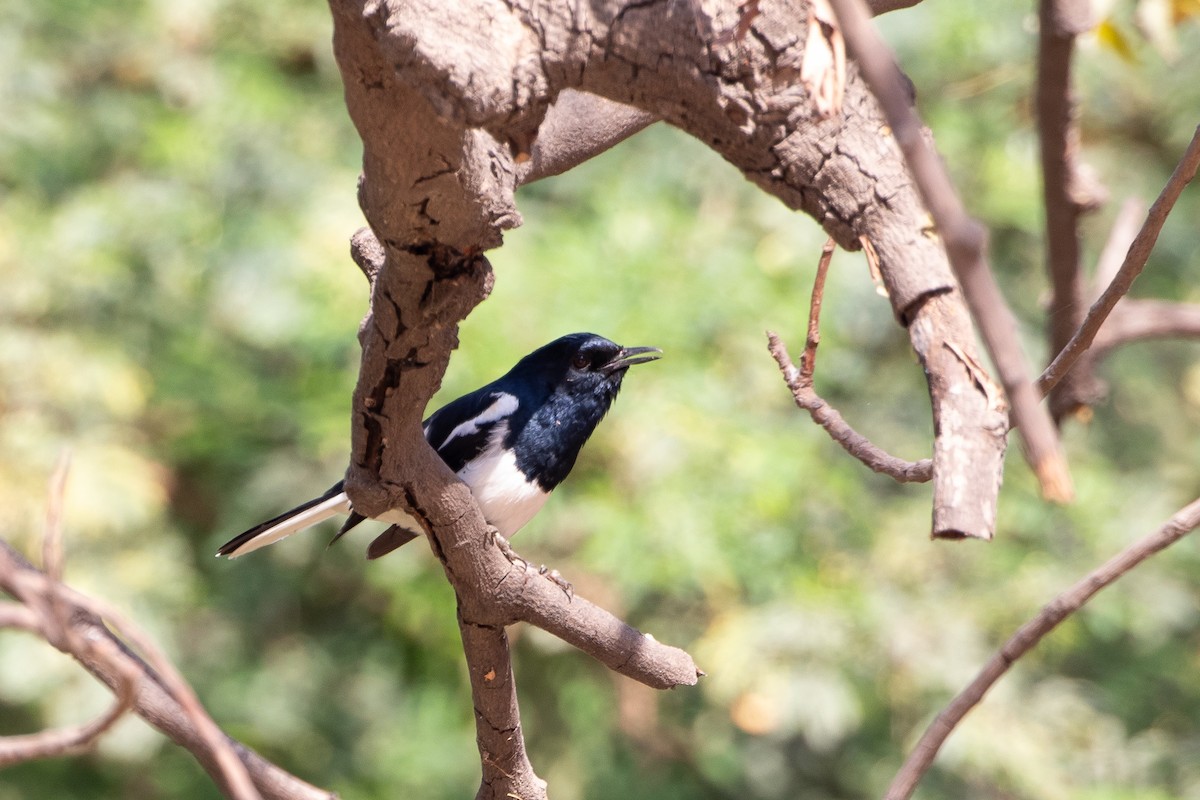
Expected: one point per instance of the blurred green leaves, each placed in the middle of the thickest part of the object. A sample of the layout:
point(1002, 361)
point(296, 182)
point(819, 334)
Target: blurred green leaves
point(177, 189)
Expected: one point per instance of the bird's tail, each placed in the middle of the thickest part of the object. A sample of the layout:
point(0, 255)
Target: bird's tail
point(330, 504)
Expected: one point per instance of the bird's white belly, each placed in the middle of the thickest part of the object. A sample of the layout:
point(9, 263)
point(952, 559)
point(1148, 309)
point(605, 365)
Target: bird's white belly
point(508, 499)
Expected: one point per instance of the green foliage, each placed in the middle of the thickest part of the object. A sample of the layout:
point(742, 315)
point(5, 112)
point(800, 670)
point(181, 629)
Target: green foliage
point(176, 192)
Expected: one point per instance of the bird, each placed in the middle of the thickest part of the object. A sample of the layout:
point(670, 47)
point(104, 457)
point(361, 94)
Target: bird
point(512, 441)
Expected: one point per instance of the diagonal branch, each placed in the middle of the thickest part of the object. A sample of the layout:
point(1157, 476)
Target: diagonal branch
point(74, 739)
point(1135, 262)
point(965, 242)
point(1029, 635)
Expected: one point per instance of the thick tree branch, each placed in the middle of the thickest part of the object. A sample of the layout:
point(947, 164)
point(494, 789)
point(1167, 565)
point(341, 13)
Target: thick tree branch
point(966, 243)
point(1028, 636)
point(1065, 194)
point(579, 126)
point(1135, 262)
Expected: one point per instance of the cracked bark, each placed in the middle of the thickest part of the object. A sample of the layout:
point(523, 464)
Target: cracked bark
point(449, 100)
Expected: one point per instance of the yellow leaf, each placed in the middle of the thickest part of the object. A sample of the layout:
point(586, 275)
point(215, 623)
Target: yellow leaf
point(1110, 36)
point(1182, 10)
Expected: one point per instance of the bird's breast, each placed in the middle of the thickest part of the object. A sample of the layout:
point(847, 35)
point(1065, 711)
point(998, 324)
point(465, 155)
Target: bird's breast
point(507, 497)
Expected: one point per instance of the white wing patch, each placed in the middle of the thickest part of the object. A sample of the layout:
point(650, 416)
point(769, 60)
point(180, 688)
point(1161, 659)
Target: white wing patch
point(507, 498)
point(504, 405)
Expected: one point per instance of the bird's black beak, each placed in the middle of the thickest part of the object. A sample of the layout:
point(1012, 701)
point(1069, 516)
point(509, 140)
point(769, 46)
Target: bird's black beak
point(628, 356)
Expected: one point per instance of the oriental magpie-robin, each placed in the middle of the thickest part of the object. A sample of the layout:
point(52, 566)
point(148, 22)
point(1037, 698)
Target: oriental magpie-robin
point(512, 441)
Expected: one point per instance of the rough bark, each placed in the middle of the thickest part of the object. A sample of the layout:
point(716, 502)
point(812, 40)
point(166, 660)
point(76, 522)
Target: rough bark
point(467, 109)
point(449, 100)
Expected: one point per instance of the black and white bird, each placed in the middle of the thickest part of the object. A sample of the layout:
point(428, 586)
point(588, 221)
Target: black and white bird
point(512, 441)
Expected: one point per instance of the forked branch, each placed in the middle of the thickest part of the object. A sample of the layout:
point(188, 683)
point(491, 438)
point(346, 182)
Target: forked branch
point(965, 242)
point(800, 382)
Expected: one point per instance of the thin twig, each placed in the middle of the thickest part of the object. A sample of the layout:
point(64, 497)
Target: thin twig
point(1135, 262)
point(56, 604)
point(808, 362)
point(52, 548)
point(1120, 237)
point(965, 242)
point(800, 382)
point(1137, 320)
point(15, 615)
point(1028, 636)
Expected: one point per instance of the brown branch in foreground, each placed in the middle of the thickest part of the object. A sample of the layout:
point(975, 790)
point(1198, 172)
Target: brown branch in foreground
point(1028, 636)
point(82, 627)
point(965, 242)
point(800, 382)
point(1135, 262)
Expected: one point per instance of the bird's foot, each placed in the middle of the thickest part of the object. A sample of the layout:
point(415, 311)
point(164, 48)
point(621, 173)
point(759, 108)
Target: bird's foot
point(506, 549)
point(551, 575)
point(558, 580)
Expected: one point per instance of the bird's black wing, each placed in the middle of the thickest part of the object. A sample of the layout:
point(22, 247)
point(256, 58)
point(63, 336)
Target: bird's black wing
point(460, 430)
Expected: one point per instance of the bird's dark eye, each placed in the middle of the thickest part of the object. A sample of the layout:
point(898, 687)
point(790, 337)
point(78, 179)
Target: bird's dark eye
point(580, 361)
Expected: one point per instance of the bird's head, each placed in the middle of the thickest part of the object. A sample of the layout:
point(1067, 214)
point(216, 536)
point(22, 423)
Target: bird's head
point(584, 363)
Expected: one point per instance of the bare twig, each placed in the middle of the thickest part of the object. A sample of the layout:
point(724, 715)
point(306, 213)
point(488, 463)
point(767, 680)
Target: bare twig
point(808, 362)
point(965, 242)
point(38, 592)
point(800, 382)
point(76, 738)
point(91, 642)
point(52, 548)
point(1137, 320)
point(237, 778)
point(1135, 262)
point(1028, 636)
point(15, 615)
point(1120, 236)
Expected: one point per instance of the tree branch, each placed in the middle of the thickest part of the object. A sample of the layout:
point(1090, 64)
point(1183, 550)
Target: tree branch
point(965, 242)
point(1138, 320)
point(1064, 193)
point(579, 126)
point(1028, 636)
point(76, 625)
point(1135, 262)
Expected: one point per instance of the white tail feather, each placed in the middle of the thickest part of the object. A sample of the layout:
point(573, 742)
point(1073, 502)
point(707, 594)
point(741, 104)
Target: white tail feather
point(338, 504)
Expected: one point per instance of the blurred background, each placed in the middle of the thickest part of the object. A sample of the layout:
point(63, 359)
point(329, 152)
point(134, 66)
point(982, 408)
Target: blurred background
point(177, 190)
